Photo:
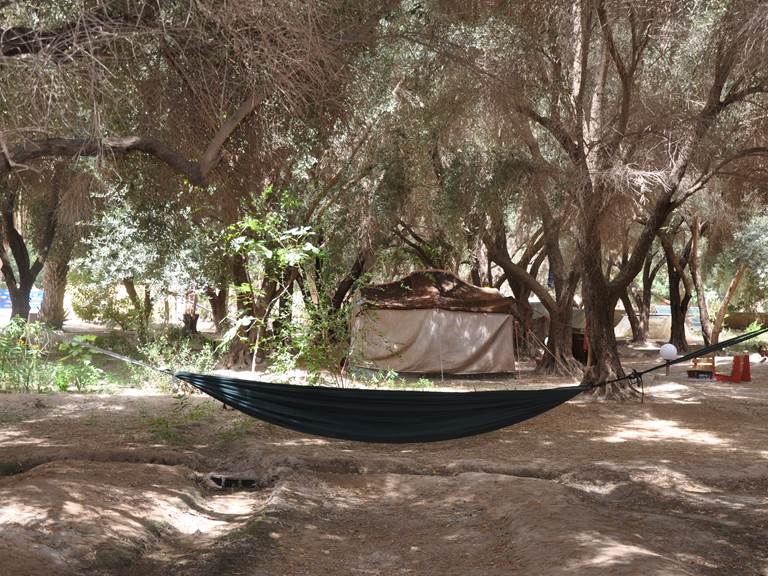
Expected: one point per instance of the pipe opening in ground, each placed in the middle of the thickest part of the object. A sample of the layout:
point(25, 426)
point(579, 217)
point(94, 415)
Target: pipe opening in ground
point(236, 482)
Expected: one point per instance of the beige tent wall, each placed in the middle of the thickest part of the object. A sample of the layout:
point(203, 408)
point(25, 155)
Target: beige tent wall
point(433, 341)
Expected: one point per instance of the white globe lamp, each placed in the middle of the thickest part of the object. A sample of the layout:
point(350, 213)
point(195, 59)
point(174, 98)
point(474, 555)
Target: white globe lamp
point(668, 353)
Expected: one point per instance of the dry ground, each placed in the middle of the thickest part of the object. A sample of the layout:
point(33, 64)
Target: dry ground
point(128, 484)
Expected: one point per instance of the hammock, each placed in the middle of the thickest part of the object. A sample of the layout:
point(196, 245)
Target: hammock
point(391, 416)
point(394, 416)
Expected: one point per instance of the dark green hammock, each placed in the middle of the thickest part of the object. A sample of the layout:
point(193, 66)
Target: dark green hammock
point(380, 415)
point(398, 416)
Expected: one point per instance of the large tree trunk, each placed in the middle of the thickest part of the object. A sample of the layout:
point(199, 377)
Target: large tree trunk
point(21, 280)
point(20, 298)
point(678, 300)
point(218, 300)
point(729, 294)
point(599, 305)
point(55, 272)
point(679, 310)
point(245, 348)
point(558, 354)
point(698, 282)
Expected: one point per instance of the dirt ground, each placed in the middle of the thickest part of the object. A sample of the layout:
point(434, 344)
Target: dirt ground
point(130, 484)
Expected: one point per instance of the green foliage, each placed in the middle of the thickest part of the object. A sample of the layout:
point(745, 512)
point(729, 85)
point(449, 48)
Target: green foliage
point(756, 344)
point(75, 367)
point(30, 361)
point(393, 380)
point(178, 353)
point(101, 304)
point(23, 350)
point(270, 240)
point(170, 427)
point(270, 246)
point(318, 344)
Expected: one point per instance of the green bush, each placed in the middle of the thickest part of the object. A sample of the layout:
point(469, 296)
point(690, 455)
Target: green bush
point(95, 303)
point(30, 360)
point(756, 344)
point(318, 344)
point(169, 350)
point(23, 350)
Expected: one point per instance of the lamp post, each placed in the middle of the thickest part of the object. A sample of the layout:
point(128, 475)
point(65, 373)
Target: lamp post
point(668, 352)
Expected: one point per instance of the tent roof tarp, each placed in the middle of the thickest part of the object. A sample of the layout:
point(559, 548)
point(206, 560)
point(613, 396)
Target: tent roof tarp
point(435, 289)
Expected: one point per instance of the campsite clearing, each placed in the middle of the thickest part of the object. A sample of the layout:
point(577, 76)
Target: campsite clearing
point(129, 484)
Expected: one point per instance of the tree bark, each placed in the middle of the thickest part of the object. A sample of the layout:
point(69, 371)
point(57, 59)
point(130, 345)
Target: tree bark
point(679, 310)
point(678, 301)
point(634, 320)
point(21, 280)
point(218, 300)
point(245, 347)
point(55, 273)
point(698, 282)
point(141, 305)
point(363, 263)
point(729, 294)
point(20, 299)
point(643, 299)
point(558, 356)
point(190, 317)
point(599, 304)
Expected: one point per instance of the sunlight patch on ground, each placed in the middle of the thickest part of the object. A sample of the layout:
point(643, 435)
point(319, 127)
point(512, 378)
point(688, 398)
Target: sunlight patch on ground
point(607, 551)
point(675, 391)
point(18, 438)
point(655, 430)
point(665, 477)
point(603, 488)
point(300, 442)
point(141, 392)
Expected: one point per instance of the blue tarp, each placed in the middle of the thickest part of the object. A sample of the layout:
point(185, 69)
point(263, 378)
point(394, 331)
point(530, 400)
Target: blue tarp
point(5, 299)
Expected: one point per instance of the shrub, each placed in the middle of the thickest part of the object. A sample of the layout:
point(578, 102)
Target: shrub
point(23, 349)
point(167, 350)
point(756, 344)
point(318, 344)
point(28, 362)
point(95, 303)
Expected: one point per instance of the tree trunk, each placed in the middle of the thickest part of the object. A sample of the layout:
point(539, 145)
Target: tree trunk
point(599, 305)
point(245, 347)
point(678, 301)
point(142, 306)
point(218, 300)
point(698, 282)
point(644, 297)
point(20, 298)
point(678, 305)
point(363, 263)
point(558, 354)
point(679, 311)
point(190, 317)
point(55, 272)
point(26, 270)
point(284, 304)
point(729, 294)
point(634, 320)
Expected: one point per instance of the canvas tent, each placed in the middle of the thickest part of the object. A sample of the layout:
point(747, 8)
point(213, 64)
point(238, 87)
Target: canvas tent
point(432, 322)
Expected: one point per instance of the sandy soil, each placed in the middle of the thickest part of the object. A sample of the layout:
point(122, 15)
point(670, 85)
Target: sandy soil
point(130, 484)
